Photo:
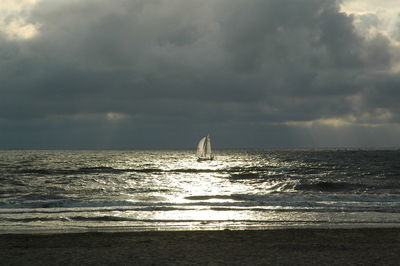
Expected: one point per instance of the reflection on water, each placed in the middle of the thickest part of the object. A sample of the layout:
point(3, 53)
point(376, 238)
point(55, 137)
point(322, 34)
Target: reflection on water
point(163, 190)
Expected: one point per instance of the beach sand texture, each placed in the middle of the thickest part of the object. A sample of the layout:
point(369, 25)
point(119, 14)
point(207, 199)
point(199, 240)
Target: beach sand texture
point(264, 247)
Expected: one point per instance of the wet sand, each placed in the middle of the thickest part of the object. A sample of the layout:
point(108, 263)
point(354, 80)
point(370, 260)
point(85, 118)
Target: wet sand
point(265, 247)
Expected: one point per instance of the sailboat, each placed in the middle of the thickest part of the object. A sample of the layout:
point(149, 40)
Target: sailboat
point(204, 149)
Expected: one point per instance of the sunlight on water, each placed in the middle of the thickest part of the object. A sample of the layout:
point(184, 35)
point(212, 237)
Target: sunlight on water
point(171, 189)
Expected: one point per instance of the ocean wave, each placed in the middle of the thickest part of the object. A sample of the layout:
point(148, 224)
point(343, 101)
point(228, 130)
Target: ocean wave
point(108, 170)
point(343, 187)
point(245, 175)
point(209, 197)
point(33, 219)
point(102, 218)
point(236, 172)
point(326, 186)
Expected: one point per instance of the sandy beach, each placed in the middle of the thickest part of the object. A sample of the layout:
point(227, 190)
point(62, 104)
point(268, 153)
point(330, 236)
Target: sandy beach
point(266, 247)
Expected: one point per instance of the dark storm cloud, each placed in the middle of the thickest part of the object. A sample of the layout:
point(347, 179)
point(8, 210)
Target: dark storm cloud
point(309, 33)
point(137, 68)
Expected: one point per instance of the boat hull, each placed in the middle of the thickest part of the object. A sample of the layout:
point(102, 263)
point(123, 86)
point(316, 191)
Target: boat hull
point(205, 159)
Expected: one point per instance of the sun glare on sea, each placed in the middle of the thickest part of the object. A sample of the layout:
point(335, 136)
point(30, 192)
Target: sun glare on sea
point(197, 186)
point(200, 192)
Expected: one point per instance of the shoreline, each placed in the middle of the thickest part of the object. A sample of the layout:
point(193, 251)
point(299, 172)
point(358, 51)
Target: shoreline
point(301, 246)
point(208, 228)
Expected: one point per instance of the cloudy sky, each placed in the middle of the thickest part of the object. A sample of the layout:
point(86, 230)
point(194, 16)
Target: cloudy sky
point(149, 74)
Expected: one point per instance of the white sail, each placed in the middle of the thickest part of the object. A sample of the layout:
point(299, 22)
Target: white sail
point(201, 148)
point(208, 147)
point(204, 149)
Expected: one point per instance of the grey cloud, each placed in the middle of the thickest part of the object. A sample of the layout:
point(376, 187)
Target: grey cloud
point(304, 33)
point(180, 66)
point(366, 22)
point(396, 32)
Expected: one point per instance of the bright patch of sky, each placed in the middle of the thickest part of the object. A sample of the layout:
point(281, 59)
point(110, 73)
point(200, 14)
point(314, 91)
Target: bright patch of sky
point(386, 13)
point(13, 19)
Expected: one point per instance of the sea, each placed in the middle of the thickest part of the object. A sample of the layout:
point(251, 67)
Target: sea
point(86, 191)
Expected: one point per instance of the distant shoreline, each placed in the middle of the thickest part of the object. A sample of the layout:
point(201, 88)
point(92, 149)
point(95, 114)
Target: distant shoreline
point(366, 246)
point(192, 149)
